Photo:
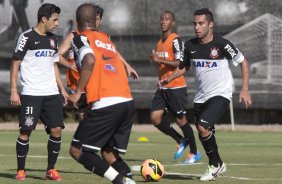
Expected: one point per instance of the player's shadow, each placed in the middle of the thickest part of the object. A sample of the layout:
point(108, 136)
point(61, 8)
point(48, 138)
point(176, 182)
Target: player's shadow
point(181, 177)
point(175, 177)
point(12, 176)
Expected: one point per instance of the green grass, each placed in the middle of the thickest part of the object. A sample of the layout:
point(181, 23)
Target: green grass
point(251, 158)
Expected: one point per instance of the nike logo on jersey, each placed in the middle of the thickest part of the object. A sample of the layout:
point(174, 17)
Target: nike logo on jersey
point(36, 43)
point(204, 121)
point(192, 52)
point(105, 58)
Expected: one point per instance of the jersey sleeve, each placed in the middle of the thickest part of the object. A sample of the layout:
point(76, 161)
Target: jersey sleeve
point(178, 47)
point(21, 47)
point(186, 57)
point(81, 46)
point(233, 53)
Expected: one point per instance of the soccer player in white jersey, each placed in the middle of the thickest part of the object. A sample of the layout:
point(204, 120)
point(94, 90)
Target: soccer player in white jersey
point(209, 56)
point(36, 54)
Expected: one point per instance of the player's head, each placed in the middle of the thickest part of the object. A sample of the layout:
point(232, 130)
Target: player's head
point(203, 22)
point(86, 17)
point(167, 21)
point(48, 15)
point(99, 15)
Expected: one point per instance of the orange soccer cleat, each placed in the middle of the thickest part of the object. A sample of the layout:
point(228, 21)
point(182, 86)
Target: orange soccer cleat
point(53, 174)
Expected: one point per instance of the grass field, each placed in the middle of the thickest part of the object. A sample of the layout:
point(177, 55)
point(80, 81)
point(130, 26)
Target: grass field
point(251, 158)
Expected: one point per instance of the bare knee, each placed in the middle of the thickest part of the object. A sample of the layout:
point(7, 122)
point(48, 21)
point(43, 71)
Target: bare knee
point(156, 117)
point(203, 131)
point(75, 153)
point(181, 121)
point(24, 135)
point(56, 132)
point(110, 155)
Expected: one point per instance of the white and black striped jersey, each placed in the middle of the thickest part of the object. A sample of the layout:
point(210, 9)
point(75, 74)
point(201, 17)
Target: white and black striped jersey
point(210, 63)
point(38, 54)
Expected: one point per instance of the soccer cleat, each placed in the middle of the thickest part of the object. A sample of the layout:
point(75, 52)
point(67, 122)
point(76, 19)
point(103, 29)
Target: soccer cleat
point(191, 158)
point(20, 175)
point(210, 174)
point(53, 174)
point(180, 148)
point(126, 180)
point(222, 169)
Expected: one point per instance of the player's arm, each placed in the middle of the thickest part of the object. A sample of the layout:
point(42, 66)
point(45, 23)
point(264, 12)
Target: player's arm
point(22, 46)
point(180, 70)
point(60, 83)
point(237, 58)
point(87, 59)
point(14, 96)
point(129, 69)
point(245, 94)
point(63, 49)
point(178, 54)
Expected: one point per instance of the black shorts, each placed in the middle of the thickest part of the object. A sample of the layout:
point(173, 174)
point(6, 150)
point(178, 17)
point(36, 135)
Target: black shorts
point(109, 126)
point(49, 109)
point(173, 100)
point(208, 114)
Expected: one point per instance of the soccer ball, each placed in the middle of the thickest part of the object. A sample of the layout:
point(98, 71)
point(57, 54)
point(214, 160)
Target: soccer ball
point(152, 170)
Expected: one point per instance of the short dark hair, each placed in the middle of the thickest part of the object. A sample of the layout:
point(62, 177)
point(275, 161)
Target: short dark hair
point(99, 10)
point(86, 16)
point(172, 14)
point(205, 11)
point(47, 10)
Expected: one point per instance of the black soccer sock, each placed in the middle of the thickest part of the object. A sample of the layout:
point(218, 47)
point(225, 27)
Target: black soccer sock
point(169, 130)
point(189, 134)
point(22, 147)
point(122, 168)
point(54, 145)
point(210, 146)
point(93, 163)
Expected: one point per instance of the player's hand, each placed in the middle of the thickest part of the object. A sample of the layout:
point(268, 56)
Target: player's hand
point(154, 58)
point(74, 98)
point(163, 82)
point(65, 96)
point(131, 72)
point(73, 67)
point(246, 97)
point(15, 99)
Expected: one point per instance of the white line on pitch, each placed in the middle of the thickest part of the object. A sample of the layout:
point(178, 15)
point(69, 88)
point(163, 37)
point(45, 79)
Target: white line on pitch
point(231, 177)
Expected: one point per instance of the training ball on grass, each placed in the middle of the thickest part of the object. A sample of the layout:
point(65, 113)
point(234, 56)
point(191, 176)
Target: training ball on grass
point(152, 170)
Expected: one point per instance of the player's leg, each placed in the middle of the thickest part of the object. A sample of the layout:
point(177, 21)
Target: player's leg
point(93, 133)
point(52, 117)
point(112, 157)
point(29, 114)
point(211, 112)
point(177, 100)
point(158, 108)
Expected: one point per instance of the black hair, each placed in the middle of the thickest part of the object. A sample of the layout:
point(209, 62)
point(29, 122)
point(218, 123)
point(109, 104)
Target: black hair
point(172, 14)
point(99, 10)
point(47, 10)
point(86, 16)
point(205, 11)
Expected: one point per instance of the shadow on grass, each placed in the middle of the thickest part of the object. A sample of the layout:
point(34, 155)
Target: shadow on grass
point(12, 176)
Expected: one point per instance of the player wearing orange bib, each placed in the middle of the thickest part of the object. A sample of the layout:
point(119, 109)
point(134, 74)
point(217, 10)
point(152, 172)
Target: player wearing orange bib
point(108, 125)
point(172, 97)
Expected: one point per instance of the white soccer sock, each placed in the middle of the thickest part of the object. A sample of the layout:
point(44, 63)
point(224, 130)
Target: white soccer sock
point(111, 173)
